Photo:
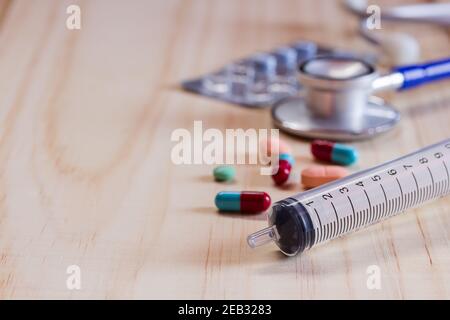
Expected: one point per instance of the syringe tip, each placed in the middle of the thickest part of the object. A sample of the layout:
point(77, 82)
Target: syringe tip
point(262, 237)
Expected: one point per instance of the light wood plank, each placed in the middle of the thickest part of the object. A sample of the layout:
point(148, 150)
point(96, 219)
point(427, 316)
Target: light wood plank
point(86, 177)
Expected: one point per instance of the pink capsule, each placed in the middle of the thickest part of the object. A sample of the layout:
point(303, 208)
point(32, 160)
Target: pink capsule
point(270, 145)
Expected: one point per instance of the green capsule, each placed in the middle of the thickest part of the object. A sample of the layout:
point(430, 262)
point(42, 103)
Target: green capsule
point(224, 173)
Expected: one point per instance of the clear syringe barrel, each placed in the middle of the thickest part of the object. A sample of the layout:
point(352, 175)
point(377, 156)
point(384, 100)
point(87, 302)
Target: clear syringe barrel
point(318, 215)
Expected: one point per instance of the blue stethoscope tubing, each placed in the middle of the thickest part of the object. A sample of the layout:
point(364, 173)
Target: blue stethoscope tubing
point(419, 74)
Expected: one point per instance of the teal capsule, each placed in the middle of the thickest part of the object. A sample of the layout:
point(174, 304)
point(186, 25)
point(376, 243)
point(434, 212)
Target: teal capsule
point(224, 173)
point(288, 158)
point(344, 155)
point(228, 201)
point(242, 201)
point(334, 152)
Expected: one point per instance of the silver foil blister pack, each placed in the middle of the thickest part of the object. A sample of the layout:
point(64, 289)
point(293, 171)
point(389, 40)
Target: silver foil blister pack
point(258, 80)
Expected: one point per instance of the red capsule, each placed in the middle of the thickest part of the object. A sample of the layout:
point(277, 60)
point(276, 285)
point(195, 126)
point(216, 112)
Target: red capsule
point(254, 201)
point(242, 201)
point(338, 153)
point(282, 175)
point(322, 150)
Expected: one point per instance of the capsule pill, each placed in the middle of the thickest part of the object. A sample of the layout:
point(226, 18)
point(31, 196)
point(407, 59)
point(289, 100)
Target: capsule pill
point(332, 152)
point(315, 176)
point(270, 144)
point(283, 172)
point(242, 201)
point(288, 157)
point(224, 173)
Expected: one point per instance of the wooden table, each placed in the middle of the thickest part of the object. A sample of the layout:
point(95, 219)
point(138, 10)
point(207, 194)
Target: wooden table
point(86, 177)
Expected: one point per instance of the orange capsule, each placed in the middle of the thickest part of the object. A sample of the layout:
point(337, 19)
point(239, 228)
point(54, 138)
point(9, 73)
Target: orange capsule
point(315, 176)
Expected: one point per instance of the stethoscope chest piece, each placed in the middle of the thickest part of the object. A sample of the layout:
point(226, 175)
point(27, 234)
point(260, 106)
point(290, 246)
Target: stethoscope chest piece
point(293, 116)
point(336, 102)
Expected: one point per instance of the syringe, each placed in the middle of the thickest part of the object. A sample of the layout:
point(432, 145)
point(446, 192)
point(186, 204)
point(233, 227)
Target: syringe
point(309, 218)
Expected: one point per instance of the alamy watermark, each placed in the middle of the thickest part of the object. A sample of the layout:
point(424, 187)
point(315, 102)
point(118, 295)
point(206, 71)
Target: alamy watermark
point(236, 146)
point(73, 21)
point(73, 281)
point(373, 277)
point(373, 20)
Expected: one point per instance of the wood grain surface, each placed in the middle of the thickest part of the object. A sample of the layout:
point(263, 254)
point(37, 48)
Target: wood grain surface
point(86, 177)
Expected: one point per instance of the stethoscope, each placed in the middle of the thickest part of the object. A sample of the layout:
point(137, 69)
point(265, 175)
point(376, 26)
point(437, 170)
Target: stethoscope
point(337, 103)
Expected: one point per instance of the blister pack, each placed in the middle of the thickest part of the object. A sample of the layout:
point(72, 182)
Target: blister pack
point(258, 80)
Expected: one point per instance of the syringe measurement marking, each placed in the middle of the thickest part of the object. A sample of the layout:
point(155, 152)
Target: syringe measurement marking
point(385, 200)
point(359, 218)
point(337, 218)
point(417, 188)
point(412, 198)
point(447, 185)
point(332, 229)
point(424, 193)
point(320, 224)
point(345, 224)
point(383, 204)
point(327, 230)
point(380, 211)
point(400, 200)
point(420, 194)
point(353, 219)
point(448, 176)
point(354, 214)
point(369, 218)
point(352, 222)
point(432, 181)
point(408, 200)
point(364, 217)
point(377, 211)
point(395, 200)
point(390, 206)
point(439, 188)
point(415, 194)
